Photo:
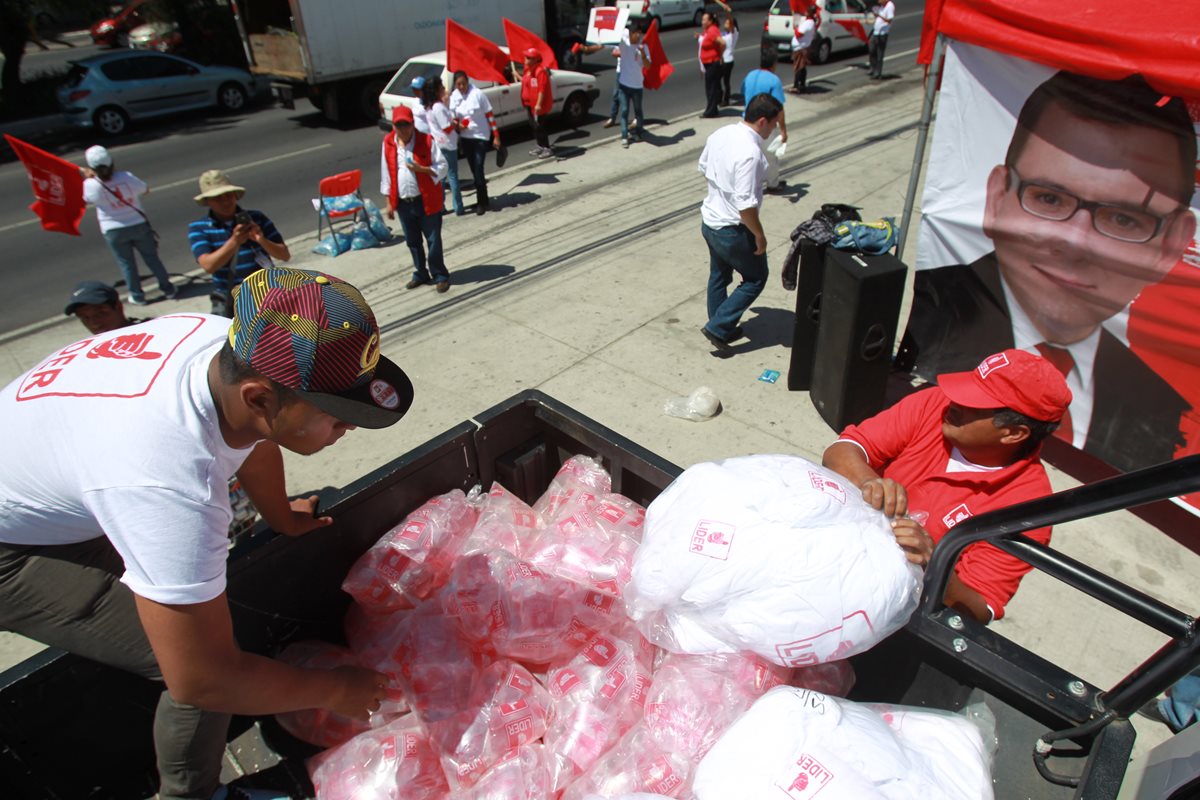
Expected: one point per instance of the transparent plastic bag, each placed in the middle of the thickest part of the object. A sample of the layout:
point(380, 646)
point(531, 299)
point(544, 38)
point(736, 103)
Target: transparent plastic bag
point(333, 245)
point(702, 404)
point(834, 678)
point(505, 522)
point(578, 482)
point(523, 775)
point(591, 540)
point(636, 764)
point(395, 762)
point(375, 219)
point(362, 238)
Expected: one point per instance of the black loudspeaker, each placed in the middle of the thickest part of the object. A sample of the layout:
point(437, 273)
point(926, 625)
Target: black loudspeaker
point(809, 280)
point(860, 308)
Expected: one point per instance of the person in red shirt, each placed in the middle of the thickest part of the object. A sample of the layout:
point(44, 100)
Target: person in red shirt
point(711, 48)
point(963, 447)
point(537, 98)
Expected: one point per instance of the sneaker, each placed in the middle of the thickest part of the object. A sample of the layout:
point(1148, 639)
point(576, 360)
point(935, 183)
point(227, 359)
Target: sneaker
point(715, 340)
point(240, 793)
point(609, 123)
point(171, 292)
point(625, 143)
point(443, 287)
point(633, 125)
point(546, 152)
point(136, 301)
point(537, 151)
point(415, 282)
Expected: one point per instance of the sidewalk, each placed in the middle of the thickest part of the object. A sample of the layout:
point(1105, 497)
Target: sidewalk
point(589, 284)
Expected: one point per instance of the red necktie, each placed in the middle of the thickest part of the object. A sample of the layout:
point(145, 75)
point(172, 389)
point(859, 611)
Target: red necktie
point(1061, 358)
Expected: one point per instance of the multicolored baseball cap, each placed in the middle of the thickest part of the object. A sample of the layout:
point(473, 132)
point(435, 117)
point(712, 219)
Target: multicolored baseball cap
point(315, 333)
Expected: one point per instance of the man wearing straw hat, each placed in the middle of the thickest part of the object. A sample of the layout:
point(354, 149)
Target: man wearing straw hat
point(230, 242)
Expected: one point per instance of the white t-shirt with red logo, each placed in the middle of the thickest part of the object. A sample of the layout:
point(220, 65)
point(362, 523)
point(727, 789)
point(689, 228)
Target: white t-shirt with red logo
point(117, 200)
point(118, 435)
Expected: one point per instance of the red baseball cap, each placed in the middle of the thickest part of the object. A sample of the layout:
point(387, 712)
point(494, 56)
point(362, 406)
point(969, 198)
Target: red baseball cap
point(533, 54)
point(1016, 379)
point(402, 113)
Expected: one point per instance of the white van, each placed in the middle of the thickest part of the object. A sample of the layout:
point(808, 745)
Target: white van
point(837, 24)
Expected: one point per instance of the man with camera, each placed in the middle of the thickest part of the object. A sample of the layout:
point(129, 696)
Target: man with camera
point(230, 242)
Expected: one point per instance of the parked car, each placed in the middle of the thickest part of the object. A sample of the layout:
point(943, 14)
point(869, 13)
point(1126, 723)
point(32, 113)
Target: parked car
point(666, 12)
point(161, 36)
point(574, 92)
point(107, 92)
point(111, 31)
point(837, 26)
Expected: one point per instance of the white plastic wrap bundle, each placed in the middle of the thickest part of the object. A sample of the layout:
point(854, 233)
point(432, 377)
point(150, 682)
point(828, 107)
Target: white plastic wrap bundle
point(797, 743)
point(773, 554)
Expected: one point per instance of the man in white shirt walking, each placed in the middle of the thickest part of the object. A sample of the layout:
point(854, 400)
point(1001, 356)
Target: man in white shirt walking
point(123, 221)
point(884, 14)
point(735, 168)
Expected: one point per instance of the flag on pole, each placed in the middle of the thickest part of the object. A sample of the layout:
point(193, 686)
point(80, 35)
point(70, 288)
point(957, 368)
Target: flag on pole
point(519, 40)
point(474, 55)
point(655, 73)
point(855, 27)
point(57, 187)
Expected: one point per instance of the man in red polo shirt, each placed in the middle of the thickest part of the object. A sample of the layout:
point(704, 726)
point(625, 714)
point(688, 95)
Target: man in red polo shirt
point(538, 100)
point(711, 48)
point(963, 447)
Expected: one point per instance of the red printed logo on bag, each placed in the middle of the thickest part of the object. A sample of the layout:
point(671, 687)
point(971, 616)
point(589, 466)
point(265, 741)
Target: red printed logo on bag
point(578, 633)
point(412, 531)
point(518, 681)
point(563, 682)
point(130, 345)
point(660, 777)
point(810, 780)
point(828, 486)
point(600, 652)
point(826, 645)
point(712, 539)
point(609, 511)
point(411, 742)
point(598, 601)
point(388, 745)
point(991, 364)
point(956, 515)
point(613, 681)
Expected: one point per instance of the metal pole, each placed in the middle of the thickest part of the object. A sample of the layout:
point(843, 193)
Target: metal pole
point(935, 71)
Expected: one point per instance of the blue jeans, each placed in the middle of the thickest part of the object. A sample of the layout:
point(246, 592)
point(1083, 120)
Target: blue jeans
point(475, 151)
point(421, 229)
point(876, 47)
point(452, 178)
point(730, 250)
point(625, 96)
point(1182, 704)
point(122, 242)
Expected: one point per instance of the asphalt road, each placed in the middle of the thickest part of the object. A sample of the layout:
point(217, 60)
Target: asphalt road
point(280, 155)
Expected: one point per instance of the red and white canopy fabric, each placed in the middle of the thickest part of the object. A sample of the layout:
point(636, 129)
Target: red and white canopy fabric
point(1105, 38)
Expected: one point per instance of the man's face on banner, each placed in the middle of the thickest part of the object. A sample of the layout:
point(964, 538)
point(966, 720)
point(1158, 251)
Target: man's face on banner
point(1071, 274)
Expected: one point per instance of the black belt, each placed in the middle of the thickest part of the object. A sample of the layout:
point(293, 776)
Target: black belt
point(410, 199)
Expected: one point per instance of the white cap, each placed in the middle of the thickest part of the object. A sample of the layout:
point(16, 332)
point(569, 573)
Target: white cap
point(97, 156)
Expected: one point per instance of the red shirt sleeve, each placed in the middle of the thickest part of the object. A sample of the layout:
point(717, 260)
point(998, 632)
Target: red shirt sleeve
point(885, 435)
point(994, 573)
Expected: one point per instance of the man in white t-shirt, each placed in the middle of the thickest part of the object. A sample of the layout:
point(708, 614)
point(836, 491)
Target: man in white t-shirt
point(735, 168)
point(123, 221)
point(884, 13)
point(114, 497)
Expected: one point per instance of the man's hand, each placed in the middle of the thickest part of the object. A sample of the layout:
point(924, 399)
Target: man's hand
point(87, 172)
point(256, 233)
point(886, 495)
point(760, 244)
point(362, 691)
point(496, 140)
point(242, 232)
point(913, 539)
point(391, 211)
point(302, 520)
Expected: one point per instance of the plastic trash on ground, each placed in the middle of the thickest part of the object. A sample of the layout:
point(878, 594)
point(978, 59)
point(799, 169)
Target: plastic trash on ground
point(799, 743)
point(413, 559)
point(698, 406)
point(508, 608)
point(772, 554)
point(320, 726)
point(395, 762)
point(524, 775)
point(507, 708)
point(598, 696)
point(694, 699)
point(636, 764)
point(505, 522)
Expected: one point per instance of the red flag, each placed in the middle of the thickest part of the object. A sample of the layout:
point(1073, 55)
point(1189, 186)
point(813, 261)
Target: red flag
point(57, 187)
point(519, 40)
point(855, 27)
point(655, 73)
point(474, 55)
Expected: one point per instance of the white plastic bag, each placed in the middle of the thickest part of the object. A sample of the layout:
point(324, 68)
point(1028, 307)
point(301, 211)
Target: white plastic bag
point(772, 554)
point(698, 406)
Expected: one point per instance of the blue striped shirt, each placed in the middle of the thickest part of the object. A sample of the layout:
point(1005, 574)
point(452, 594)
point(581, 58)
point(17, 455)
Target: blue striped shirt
point(206, 235)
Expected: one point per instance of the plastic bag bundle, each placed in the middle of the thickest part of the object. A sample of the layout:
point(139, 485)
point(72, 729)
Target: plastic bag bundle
point(320, 726)
point(362, 237)
point(505, 522)
point(598, 697)
point(507, 708)
point(772, 554)
point(581, 480)
point(694, 699)
point(698, 406)
point(395, 762)
point(834, 678)
point(636, 764)
point(333, 245)
point(375, 219)
point(524, 775)
point(368, 634)
point(798, 743)
point(960, 746)
point(507, 607)
point(591, 540)
point(413, 559)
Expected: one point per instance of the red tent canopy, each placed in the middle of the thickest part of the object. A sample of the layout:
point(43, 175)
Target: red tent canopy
point(1106, 38)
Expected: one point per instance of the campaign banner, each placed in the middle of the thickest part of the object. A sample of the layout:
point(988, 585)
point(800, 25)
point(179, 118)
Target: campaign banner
point(1059, 216)
point(606, 24)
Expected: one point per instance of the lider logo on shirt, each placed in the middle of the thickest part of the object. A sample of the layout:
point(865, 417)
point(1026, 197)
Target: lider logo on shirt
point(956, 515)
point(131, 345)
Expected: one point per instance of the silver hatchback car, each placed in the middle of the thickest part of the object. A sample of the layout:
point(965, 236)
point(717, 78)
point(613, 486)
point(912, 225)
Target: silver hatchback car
point(108, 91)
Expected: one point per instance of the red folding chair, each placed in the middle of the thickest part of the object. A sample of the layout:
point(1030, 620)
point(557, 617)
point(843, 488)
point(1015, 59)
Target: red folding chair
point(340, 197)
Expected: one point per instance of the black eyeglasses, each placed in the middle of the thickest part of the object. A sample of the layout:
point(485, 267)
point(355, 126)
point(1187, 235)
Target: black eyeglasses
point(1125, 224)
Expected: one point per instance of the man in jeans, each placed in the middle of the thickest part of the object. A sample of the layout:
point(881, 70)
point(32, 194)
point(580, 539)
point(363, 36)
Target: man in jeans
point(411, 171)
point(123, 222)
point(884, 13)
point(736, 169)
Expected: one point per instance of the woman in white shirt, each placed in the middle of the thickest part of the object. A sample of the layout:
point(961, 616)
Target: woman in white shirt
point(729, 32)
point(444, 131)
point(477, 129)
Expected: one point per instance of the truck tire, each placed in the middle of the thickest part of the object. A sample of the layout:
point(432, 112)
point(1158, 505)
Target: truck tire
point(820, 51)
point(575, 109)
point(368, 98)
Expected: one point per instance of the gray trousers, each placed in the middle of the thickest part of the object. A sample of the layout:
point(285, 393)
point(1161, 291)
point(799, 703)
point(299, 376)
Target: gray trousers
point(69, 596)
